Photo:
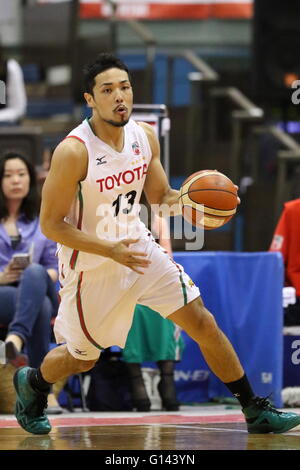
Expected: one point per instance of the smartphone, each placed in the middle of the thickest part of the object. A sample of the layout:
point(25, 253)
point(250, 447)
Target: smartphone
point(21, 260)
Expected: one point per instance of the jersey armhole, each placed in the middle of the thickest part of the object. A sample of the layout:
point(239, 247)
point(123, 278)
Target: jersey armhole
point(75, 137)
point(83, 142)
point(141, 129)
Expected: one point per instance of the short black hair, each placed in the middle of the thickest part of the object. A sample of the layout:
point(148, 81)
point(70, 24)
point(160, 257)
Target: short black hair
point(31, 203)
point(103, 61)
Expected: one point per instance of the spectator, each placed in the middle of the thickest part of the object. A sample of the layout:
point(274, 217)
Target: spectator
point(11, 74)
point(286, 240)
point(28, 296)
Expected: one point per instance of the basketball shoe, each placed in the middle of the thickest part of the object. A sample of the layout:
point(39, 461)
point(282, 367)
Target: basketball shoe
point(31, 405)
point(262, 418)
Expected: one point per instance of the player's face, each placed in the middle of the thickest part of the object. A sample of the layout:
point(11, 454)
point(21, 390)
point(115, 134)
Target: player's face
point(16, 179)
point(113, 97)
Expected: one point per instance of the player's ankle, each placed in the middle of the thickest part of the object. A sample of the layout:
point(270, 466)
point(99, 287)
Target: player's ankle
point(242, 390)
point(38, 382)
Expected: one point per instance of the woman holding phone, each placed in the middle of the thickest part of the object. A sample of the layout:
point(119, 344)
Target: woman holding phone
point(28, 266)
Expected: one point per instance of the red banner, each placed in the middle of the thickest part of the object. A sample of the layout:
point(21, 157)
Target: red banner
point(166, 9)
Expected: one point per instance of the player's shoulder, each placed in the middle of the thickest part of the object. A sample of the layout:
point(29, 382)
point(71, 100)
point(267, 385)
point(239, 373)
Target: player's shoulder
point(147, 128)
point(151, 136)
point(70, 155)
point(71, 147)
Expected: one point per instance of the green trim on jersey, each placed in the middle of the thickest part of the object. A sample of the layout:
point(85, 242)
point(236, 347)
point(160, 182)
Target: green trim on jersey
point(75, 253)
point(183, 286)
point(88, 121)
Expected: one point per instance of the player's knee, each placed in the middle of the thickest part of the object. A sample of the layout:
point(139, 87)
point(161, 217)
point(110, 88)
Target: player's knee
point(209, 323)
point(79, 365)
point(202, 317)
point(204, 322)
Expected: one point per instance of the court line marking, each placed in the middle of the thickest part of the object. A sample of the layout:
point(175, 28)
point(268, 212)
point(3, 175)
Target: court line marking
point(186, 426)
point(143, 420)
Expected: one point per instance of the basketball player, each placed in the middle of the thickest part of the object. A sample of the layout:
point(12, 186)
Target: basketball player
point(106, 162)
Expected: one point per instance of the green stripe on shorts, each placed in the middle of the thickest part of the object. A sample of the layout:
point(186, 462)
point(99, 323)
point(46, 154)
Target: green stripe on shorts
point(183, 289)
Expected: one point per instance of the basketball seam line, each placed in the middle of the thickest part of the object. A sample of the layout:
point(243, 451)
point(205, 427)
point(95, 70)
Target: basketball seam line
point(214, 216)
point(209, 207)
point(207, 189)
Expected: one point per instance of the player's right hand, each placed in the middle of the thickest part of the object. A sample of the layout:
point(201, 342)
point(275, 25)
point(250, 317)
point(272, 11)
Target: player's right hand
point(123, 254)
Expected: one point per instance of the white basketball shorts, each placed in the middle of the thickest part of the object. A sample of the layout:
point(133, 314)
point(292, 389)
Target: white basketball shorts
point(97, 306)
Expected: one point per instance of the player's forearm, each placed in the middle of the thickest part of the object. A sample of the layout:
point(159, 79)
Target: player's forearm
point(66, 234)
point(171, 200)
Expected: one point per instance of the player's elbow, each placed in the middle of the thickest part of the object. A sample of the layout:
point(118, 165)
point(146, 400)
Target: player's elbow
point(47, 227)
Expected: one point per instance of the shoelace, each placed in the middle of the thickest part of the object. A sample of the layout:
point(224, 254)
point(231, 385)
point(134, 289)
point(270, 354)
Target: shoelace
point(266, 405)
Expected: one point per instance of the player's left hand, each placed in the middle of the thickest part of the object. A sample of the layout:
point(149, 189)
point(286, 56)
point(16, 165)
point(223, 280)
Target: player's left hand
point(122, 253)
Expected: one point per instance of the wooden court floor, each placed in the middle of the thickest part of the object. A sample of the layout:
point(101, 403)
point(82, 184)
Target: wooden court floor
point(198, 429)
point(150, 437)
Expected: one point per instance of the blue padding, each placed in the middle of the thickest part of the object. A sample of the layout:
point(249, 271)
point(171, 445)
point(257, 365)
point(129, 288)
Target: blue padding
point(177, 181)
point(244, 292)
point(49, 107)
point(134, 61)
point(31, 73)
point(181, 84)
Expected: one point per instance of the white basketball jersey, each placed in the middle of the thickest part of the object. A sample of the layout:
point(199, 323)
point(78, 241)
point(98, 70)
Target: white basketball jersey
point(107, 202)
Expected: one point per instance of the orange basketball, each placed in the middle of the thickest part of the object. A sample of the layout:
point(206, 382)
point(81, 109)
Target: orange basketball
point(209, 199)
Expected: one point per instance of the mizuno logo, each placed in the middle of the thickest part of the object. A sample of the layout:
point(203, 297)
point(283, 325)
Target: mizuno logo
point(100, 160)
point(82, 353)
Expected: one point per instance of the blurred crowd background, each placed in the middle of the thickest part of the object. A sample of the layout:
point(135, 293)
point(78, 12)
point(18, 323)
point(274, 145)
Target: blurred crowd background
point(226, 71)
